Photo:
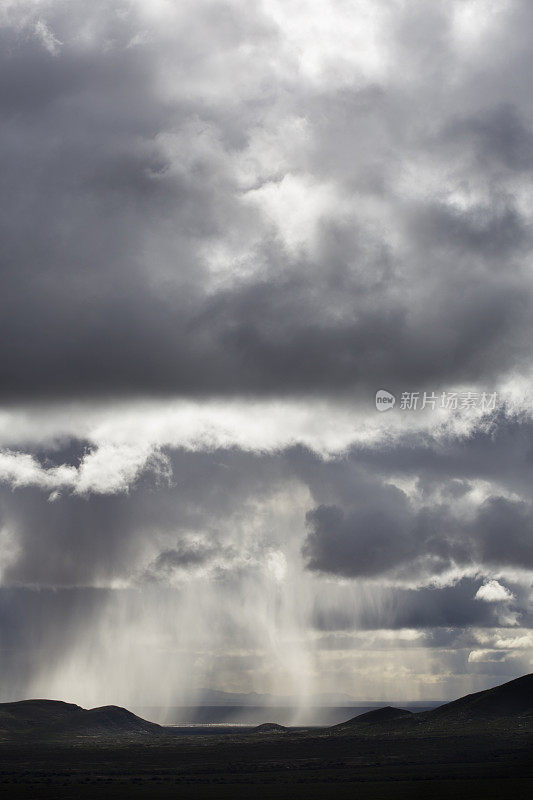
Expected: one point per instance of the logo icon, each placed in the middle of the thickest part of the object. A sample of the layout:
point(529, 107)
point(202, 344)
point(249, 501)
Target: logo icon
point(384, 400)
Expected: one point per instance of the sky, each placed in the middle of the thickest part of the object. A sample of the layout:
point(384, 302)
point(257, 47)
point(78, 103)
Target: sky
point(224, 226)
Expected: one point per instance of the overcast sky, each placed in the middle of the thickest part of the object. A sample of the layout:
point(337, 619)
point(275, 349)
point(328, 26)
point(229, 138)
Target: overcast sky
point(223, 227)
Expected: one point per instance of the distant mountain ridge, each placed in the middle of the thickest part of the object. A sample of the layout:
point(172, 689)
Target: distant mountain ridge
point(214, 697)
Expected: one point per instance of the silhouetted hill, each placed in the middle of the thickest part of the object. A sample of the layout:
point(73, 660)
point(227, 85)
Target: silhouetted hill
point(50, 718)
point(504, 707)
point(27, 714)
point(269, 727)
point(508, 699)
point(379, 716)
point(108, 720)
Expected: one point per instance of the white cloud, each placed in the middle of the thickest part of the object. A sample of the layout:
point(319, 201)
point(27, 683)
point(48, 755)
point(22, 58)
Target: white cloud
point(50, 42)
point(21, 469)
point(111, 469)
point(491, 656)
point(125, 438)
point(493, 592)
point(108, 469)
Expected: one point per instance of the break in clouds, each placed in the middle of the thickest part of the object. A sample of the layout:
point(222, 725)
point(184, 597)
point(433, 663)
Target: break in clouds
point(223, 227)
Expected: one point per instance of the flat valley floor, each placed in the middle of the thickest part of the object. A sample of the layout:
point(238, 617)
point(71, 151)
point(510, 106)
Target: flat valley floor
point(292, 764)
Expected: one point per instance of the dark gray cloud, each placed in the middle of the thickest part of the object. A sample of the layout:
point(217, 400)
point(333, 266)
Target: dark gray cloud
point(183, 556)
point(500, 453)
point(496, 136)
point(187, 555)
point(113, 189)
point(363, 525)
point(451, 607)
point(373, 540)
point(370, 541)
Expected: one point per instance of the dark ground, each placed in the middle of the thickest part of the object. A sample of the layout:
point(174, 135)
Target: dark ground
point(281, 765)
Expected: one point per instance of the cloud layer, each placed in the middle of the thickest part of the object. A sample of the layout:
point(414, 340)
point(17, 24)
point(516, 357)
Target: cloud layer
point(223, 226)
point(204, 200)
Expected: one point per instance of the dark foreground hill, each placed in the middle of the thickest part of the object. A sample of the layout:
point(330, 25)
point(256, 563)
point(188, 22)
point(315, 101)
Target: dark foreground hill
point(270, 727)
point(510, 704)
point(51, 719)
point(380, 716)
point(514, 698)
point(34, 714)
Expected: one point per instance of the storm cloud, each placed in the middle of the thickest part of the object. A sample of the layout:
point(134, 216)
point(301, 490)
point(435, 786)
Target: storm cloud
point(374, 540)
point(224, 226)
point(147, 246)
